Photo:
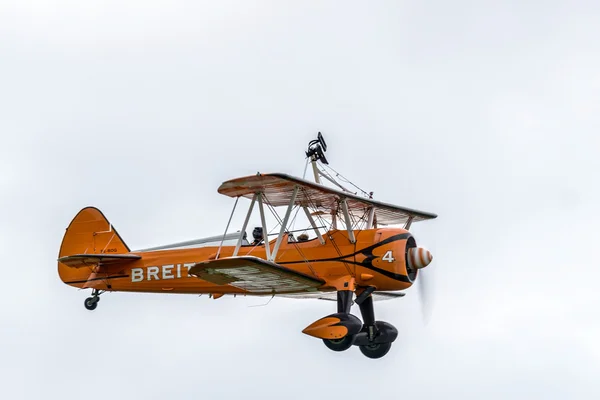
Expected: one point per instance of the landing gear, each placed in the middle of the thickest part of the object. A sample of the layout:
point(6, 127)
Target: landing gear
point(376, 337)
point(344, 303)
point(375, 350)
point(339, 344)
point(92, 302)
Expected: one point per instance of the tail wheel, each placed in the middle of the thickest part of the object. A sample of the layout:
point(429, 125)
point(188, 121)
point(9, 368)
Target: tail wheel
point(376, 350)
point(91, 303)
point(339, 344)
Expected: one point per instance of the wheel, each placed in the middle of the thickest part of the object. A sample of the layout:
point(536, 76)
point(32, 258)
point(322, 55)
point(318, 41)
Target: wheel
point(91, 303)
point(376, 350)
point(339, 344)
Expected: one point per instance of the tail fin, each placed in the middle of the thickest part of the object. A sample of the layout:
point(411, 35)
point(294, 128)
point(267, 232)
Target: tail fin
point(88, 233)
point(91, 233)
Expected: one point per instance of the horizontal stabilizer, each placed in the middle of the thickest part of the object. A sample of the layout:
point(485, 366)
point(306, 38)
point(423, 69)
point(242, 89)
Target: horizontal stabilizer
point(87, 260)
point(255, 275)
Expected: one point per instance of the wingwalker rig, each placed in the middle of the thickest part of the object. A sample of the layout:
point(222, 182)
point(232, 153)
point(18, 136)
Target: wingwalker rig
point(367, 256)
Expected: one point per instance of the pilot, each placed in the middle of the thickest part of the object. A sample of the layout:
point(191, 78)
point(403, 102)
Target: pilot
point(257, 234)
point(303, 237)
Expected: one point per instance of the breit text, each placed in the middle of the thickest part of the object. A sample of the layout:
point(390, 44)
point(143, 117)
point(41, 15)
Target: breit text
point(171, 271)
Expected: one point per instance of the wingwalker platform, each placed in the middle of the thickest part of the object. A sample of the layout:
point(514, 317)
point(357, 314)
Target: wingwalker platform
point(361, 250)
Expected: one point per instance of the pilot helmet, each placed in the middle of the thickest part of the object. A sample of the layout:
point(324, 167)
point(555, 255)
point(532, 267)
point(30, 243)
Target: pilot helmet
point(257, 233)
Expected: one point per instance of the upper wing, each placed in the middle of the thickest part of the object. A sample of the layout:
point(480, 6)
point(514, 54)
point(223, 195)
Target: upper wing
point(255, 275)
point(86, 260)
point(278, 188)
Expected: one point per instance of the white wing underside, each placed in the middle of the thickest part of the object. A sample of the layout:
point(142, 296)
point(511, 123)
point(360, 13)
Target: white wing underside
point(332, 296)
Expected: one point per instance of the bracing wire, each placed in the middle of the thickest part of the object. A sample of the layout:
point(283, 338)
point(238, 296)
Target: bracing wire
point(343, 178)
point(361, 220)
point(333, 243)
point(295, 244)
point(293, 223)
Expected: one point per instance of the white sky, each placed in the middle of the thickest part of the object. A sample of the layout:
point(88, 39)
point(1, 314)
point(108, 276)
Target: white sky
point(484, 113)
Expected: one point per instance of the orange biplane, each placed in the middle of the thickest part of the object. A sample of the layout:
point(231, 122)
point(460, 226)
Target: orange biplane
point(366, 260)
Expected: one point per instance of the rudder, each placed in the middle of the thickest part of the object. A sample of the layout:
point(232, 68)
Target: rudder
point(91, 233)
point(88, 233)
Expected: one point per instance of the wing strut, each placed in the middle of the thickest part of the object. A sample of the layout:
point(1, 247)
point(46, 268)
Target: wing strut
point(314, 225)
point(239, 243)
point(348, 221)
point(371, 218)
point(284, 223)
point(264, 225)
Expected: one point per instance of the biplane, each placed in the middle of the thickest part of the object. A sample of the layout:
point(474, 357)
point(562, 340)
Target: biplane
point(353, 250)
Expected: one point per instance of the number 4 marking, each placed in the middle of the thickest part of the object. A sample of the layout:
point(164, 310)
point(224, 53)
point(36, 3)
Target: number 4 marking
point(388, 256)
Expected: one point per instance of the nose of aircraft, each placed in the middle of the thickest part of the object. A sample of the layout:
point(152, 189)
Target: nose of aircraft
point(419, 257)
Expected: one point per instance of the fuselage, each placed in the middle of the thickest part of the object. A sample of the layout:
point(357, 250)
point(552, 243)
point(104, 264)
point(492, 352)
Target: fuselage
point(377, 258)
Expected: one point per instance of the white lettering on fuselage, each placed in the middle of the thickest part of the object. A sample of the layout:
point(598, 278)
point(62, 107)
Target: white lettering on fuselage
point(152, 272)
point(160, 272)
point(166, 272)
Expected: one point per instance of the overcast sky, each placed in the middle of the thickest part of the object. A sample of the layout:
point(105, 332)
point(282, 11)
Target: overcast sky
point(481, 112)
